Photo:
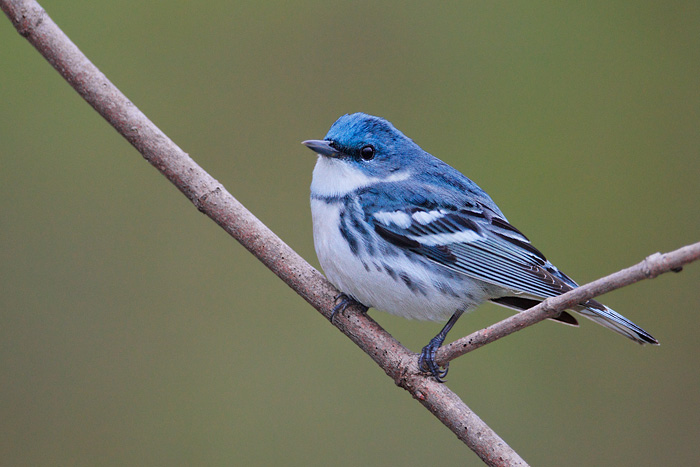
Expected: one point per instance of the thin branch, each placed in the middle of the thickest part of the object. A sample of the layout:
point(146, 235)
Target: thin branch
point(650, 268)
point(211, 198)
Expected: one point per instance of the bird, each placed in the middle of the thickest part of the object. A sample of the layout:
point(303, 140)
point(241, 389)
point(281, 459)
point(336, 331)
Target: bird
point(401, 231)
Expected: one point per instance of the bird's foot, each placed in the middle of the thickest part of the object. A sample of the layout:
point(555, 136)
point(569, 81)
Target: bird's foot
point(344, 301)
point(426, 361)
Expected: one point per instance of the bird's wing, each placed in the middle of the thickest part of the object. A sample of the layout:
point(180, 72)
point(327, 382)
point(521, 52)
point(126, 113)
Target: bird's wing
point(474, 240)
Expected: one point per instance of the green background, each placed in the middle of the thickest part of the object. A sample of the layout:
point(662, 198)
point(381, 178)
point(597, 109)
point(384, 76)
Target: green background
point(134, 331)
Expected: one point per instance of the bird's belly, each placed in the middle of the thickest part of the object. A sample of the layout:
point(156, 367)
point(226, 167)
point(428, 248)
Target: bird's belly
point(382, 276)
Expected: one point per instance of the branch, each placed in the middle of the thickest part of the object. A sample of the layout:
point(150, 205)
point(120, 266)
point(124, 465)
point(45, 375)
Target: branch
point(650, 268)
point(211, 198)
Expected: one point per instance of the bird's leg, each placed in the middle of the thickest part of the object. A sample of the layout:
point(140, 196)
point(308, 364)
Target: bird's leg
point(426, 361)
point(344, 301)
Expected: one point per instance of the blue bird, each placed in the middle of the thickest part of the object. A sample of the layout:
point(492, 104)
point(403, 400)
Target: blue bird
point(399, 230)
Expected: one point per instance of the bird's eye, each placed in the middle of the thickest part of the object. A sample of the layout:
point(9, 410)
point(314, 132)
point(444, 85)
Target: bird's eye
point(367, 152)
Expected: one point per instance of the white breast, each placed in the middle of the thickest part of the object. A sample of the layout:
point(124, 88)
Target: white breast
point(365, 278)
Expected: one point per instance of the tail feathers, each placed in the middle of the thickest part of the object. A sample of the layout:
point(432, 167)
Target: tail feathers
point(593, 310)
point(601, 314)
point(522, 304)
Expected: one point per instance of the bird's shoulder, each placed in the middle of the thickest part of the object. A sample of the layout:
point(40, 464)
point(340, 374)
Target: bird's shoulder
point(427, 187)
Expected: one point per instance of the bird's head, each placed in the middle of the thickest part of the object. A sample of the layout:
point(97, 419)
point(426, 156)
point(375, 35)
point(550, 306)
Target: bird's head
point(360, 150)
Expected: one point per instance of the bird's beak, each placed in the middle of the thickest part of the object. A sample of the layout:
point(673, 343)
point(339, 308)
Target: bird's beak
point(321, 147)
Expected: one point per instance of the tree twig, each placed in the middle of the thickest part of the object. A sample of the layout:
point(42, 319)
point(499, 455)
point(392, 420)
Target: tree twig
point(211, 198)
point(649, 268)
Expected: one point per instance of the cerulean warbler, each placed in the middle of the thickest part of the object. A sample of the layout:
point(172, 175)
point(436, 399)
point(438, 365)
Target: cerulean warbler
point(399, 230)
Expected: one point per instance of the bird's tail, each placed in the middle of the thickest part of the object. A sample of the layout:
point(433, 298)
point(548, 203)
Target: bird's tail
point(607, 317)
point(593, 310)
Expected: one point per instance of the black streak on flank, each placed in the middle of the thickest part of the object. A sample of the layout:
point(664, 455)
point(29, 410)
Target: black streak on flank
point(412, 286)
point(407, 280)
point(364, 233)
point(390, 271)
point(345, 232)
point(445, 289)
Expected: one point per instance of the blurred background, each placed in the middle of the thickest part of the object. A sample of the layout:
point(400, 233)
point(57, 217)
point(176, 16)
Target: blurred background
point(134, 331)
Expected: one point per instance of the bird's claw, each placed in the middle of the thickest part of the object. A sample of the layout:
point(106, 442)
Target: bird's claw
point(426, 361)
point(344, 301)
